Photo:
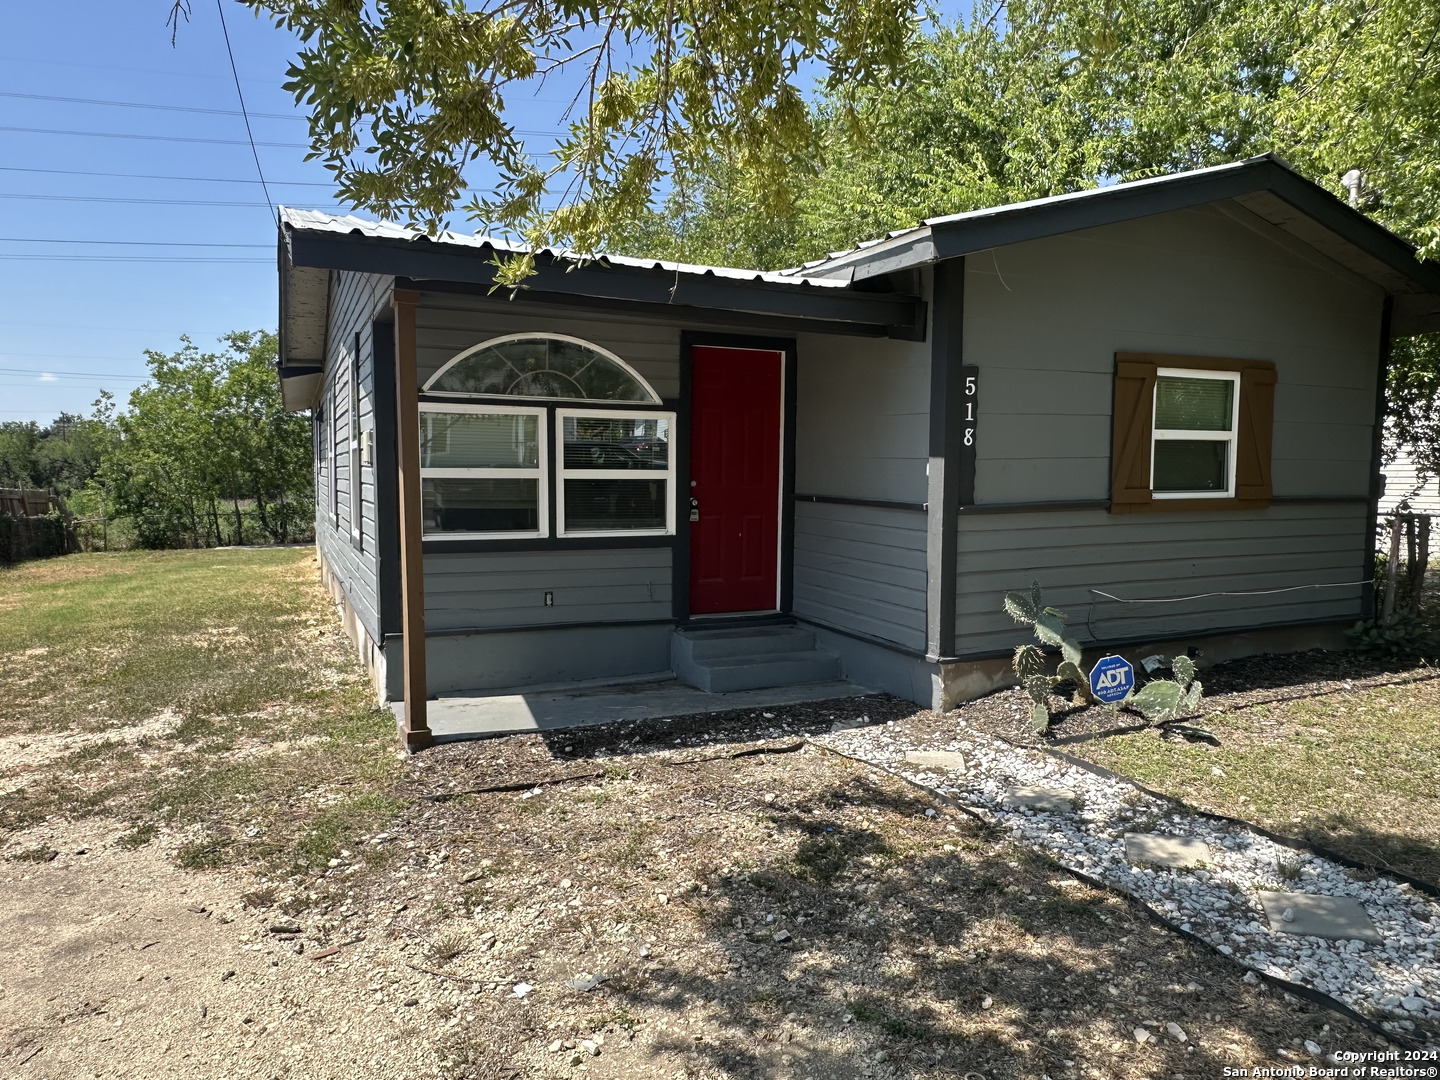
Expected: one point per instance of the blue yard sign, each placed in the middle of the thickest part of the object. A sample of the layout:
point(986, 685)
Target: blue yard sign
point(1111, 679)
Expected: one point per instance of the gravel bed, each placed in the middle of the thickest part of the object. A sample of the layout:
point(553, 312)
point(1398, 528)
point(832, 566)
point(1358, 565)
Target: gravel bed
point(1396, 983)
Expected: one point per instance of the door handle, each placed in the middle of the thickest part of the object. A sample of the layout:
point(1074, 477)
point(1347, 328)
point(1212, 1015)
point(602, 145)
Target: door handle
point(694, 509)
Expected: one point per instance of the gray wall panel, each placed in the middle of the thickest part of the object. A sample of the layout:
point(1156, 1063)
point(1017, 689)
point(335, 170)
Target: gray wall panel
point(507, 589)
point(862, 568)
point(1140, 557)
point(355, 300)
point(1044, 320)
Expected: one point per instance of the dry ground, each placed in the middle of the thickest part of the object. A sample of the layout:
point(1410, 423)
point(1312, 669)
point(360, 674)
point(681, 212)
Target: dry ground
point(267, 890)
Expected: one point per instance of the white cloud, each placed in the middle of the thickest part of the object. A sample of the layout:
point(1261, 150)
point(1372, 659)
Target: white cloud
point(47, 377)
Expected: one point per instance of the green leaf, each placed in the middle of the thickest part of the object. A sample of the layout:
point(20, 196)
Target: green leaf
point(1157, 700)
point(1040, 718)
point(1049, 629)
point(1184, 669)
point(1019, 607)
point(1038, 687)
point(1070, 670)
point(1029, 661)
point(1070, 650)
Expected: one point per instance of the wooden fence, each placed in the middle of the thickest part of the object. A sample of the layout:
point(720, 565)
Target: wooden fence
point(33, 525)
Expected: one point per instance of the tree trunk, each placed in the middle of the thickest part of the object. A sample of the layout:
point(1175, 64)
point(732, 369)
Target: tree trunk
point(239, 523)
point(1392, 566)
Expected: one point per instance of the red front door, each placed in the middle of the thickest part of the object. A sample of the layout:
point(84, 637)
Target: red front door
point(735, 478)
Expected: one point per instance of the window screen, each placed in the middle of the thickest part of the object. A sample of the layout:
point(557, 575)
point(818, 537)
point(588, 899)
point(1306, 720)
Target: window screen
point(482, 471)
point(1195, 419)
point(616, 473)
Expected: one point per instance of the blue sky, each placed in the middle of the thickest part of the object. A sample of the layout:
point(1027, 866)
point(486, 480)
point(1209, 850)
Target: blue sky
point(76, 316)
point(123, 226)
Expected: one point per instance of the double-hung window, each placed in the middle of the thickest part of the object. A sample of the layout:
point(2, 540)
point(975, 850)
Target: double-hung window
point(617, 473)
point(1196, 419)
point(1191, 433)
point(483, 471)
point(506, 422)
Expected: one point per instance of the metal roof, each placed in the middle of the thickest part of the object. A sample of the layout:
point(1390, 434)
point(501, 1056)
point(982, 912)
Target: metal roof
point(1265, 187)
point(316, 220)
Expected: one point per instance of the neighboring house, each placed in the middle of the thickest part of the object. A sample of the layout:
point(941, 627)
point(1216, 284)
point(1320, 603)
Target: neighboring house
point(1158, 390)
point(1404, 482)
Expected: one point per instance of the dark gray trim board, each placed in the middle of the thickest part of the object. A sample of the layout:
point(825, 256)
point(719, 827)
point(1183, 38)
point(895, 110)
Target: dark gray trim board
point(434, 545)
point(387, 476)
point(483, 631)
point(1042, 506)
point(1377, 453)
point(427, 264)
point(879, 504)
point(944, 468)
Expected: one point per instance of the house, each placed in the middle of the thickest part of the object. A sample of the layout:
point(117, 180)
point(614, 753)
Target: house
point(1158, 399)
point(1406, 482)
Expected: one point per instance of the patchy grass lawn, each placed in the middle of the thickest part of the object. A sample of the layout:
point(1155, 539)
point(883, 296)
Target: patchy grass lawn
point(699, 897)
point(208, 692)
point(1356, 770)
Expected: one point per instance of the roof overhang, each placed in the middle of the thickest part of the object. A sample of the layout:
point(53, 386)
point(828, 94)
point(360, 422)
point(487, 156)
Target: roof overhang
point(1264, 185)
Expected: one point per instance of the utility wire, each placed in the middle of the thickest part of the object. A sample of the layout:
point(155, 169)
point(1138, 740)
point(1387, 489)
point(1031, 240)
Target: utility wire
point(152, 176)
point(70, 374)
point(126, 243)
point(152, 138)
point(134, 201)
point(1249, 592)
point(205, 112)
point(135, 259)
point(220, 7)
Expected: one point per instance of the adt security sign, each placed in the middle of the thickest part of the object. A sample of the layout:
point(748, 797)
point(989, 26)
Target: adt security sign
point(1111, 679)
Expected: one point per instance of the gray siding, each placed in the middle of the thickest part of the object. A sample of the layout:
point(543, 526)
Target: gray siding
point(1043, 322)
point(355, 299)
point(862, 569)
point(507, 589)
point(449, 323)
point(1153, 557)
point(862, 419)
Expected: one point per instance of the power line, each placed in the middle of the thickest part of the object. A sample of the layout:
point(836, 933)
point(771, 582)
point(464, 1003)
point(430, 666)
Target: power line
point(152, 138)
point(134, 259)
point(235, 71)
point(126, 243)
point(134, 201)
point(70, 374)
point(146, 105)
point(207, 112)
point(152, 176)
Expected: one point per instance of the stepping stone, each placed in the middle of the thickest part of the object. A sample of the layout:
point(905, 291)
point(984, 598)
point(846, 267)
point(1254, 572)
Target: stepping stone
point(936, 760)
point(1339, 918)
point(1161, 849)
point(1059, 800)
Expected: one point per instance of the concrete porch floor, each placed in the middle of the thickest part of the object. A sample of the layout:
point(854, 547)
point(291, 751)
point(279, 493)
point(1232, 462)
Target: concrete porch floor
point(508, 712)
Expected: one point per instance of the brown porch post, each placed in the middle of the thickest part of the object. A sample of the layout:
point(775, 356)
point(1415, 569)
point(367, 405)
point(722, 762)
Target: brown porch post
point(414, 730)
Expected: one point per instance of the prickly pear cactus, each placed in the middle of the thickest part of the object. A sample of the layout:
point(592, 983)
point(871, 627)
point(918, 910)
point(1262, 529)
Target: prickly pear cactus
point(1048, 623)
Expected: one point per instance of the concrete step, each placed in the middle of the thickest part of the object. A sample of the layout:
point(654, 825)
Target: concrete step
point(693, 646)
point(722, 660)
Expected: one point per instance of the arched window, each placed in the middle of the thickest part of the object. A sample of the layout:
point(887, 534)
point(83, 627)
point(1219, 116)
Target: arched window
point(541, 366)
point(486, 468)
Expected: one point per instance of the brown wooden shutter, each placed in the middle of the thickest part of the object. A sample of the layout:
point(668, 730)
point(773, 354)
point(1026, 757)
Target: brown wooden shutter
point(1255, 438)
point(1132, 419)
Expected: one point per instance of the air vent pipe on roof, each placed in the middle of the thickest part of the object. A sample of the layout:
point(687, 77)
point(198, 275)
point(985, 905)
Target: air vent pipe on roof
point(1355, 181)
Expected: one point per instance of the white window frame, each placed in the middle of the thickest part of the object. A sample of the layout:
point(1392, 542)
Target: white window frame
point(562, 473)
point(540, 471)
point(1231, 437)
point(357, 484)
point(537, 335)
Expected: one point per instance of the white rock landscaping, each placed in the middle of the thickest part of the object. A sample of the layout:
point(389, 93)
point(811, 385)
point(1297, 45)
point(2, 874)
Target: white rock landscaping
point(1086, 822)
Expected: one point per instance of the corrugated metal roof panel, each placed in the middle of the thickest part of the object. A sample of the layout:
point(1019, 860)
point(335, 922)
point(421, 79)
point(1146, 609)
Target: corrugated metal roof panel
point(318, 220)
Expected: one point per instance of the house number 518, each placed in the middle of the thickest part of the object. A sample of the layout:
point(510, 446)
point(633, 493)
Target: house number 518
point(971, 401)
